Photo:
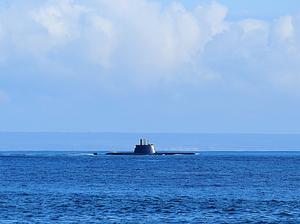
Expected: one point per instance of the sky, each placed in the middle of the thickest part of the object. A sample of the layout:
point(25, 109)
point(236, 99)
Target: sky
point(193, 66)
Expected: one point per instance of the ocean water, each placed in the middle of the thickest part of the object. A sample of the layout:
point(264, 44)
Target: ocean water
point(210, 187)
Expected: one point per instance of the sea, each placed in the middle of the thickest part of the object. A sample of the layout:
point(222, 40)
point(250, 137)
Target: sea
point(233, 178)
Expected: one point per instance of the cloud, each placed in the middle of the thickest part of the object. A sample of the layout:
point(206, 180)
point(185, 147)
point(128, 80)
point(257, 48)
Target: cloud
point(212, 17)
point(152, 42)
point(142, 40)
point(60, 18)
point(69, 23)
point(101, 39)
point(284, 28)
point(257, 53)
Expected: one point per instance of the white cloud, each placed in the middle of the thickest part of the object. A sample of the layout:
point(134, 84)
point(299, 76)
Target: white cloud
point(212, 17)
point(137, 34)
point(101, 39)
point(61, 18)
point(258, 53)
point(284, 28)
point(144, 40)
point(154, 41)
point(252, 25)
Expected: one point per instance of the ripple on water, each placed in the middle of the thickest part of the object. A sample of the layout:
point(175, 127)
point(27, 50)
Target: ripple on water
point(82, 189)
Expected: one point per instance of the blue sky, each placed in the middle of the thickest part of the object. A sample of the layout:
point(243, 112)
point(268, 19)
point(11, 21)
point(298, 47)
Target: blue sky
point(238, 9)
point(150, 66)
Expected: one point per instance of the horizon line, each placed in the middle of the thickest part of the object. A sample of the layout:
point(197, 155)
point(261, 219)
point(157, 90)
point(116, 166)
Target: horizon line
point(154, 133)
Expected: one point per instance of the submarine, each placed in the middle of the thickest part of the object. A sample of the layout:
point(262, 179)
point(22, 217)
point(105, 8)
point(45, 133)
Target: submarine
point(145, 148)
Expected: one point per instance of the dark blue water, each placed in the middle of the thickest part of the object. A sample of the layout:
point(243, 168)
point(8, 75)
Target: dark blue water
point(224, 187)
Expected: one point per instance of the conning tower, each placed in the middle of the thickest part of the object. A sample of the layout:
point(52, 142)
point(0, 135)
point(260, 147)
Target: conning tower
point(144, 148)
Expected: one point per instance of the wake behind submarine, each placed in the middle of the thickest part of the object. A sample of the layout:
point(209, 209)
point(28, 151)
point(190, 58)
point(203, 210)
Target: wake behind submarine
point(144, 148)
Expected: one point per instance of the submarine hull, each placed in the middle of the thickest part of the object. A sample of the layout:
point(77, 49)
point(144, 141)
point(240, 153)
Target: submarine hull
point(145, 148)
point(153, 154)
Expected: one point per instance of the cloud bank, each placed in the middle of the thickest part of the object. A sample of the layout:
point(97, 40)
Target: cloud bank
point(144, 41)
